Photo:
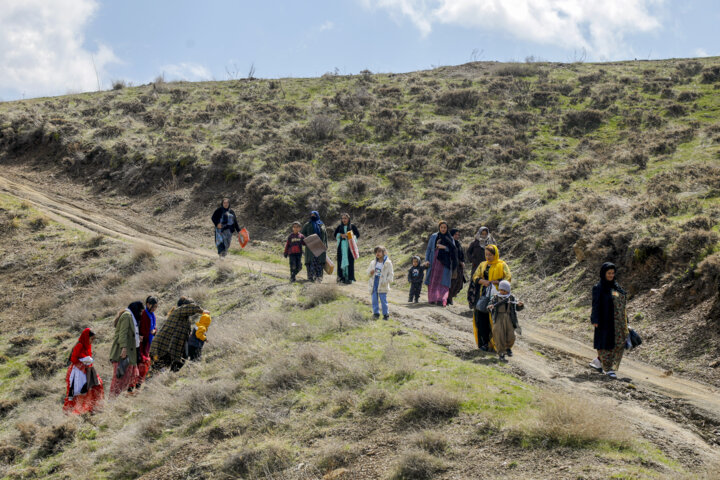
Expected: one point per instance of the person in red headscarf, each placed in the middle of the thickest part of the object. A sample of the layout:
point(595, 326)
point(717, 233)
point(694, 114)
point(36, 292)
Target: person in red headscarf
point(85, 391)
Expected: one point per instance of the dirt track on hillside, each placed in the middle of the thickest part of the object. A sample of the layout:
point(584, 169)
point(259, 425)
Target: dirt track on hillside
point(680, 415)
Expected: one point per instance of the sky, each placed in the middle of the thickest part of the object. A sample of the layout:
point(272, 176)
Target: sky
point(56, 47)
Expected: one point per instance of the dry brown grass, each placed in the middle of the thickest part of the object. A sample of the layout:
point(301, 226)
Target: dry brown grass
point(165, 274)
point(262, 461)
point(416, 465)
point(434, 443)
point(336, 456)
point(575, 422)
point(431, 403)
point(141, 256)
point(318, 294)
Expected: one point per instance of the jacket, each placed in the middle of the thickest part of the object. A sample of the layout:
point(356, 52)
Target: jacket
point(222, 215)
point(124, 338)
point(294, 244)
point(308, 230)
point(495, 301)
point(386, 276)
point(416, 274)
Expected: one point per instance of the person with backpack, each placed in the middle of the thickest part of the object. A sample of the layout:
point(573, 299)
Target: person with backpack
point(225, 224)
point(84, 388)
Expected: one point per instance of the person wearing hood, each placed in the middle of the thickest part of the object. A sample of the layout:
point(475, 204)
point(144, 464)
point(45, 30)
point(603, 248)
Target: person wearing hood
point(148, 329)
point(609, 318)
point(458, 275)
point(170, 348)
point(442, 256)
point(84, 389)
point(475, 255)
point(504, 308)
point(315, 265)
point(225, 224)
point(488, 274)
point(124, 350)
point(345, 260)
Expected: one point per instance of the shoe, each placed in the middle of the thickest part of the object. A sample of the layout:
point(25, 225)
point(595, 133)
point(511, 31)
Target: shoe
point(376, 316)
point(509, 352)
point(385, 317)
point(484, 348)
point(596, 365)
point(449, 302)
point(410, 300)
point(611, 374)
point(417, 300)
point(501, 357)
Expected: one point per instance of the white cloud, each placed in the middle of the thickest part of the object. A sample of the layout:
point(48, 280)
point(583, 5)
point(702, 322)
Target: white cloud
point(42, 51)
point(597, 26)
point(327, 26)
point(186, 71)
point(701, 52)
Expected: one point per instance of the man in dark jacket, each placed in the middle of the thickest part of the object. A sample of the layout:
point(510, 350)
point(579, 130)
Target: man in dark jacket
point(225, 222)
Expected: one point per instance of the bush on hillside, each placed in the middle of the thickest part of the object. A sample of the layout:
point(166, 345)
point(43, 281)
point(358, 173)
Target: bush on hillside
point(463, 99)
point(581, 121)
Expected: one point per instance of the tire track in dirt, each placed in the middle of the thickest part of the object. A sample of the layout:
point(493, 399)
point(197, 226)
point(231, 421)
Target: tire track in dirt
point(678, 413)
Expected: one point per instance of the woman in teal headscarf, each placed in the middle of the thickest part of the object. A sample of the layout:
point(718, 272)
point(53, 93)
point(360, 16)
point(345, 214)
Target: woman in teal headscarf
point(345, 260)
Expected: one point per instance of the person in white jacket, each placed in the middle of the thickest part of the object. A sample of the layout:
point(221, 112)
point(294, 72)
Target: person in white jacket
point(381, 274)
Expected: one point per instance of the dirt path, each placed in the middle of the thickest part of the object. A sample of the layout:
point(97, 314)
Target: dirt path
point(681, 415)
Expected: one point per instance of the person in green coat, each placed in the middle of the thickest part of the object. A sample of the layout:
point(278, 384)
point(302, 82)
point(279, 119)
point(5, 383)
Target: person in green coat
point(315, 265)
point(124, 350)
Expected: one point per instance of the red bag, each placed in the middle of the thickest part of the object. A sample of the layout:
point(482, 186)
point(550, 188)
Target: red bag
point(354, 251)
point(243, 237)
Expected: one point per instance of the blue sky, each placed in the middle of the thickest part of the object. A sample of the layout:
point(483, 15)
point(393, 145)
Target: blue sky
point(53, 47)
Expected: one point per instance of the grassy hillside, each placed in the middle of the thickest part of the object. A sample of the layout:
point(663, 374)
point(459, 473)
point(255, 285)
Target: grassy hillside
point(570, 164)
point(296, 382)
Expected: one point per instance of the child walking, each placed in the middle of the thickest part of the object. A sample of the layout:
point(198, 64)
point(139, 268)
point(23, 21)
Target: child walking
point(416, 275)
point(198, 337)
point(381, 275)
point(294, 250)
point(504, 308)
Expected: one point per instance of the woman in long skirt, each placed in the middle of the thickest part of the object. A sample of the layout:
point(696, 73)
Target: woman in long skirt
point(609, 317)
point(490, 272)
point(85, 391)
point(442, 257)
point(458, 275)
point(345, 260)
point(124, 350)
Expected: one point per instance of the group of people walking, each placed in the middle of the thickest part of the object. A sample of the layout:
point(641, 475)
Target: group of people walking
point(137, 347)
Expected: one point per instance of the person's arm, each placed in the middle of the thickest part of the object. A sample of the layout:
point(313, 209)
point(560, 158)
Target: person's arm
point(200, 333)
point(236, 225)
point(355, 231)
point(287, 247)
point(430, 250)
point(144, 325)
point(216, 217)
point(191, 309)
point(595, 309)
point(410, 275)
point(75, 357)
point(506, 273)
point(371, 268)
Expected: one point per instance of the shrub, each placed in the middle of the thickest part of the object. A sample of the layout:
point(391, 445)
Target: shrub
point(376, 402)
point(431, 403)
point(581, 121)
point(224, 272)
point(119, 84)
point(676, 110)
point(574, 422)
point(416, 465)
point(263, 461)
point(434, 443)
point(6, 406)
point(517, 70)
point(142, 254)
point(463, 99)
point(689, 69)
point(320, 128)
point(55, 439)
point(711, 74)
point(708, 271)
point(8, 453)
point(108, 131)
point(336, 456)
point(318, 294)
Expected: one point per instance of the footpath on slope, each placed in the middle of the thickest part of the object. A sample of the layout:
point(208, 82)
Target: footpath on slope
point(679, 413)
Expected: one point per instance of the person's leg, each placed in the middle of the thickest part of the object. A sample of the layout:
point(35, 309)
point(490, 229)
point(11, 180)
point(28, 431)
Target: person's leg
point(383, 302)
point(375, 306)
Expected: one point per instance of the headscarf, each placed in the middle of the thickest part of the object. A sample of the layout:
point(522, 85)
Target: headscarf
point(478, 235)
point(447, 257)
point(453, 231)
point(498, 269)
point(606, 284)
point(316, 223)
point(85, 345)
point(135, 309)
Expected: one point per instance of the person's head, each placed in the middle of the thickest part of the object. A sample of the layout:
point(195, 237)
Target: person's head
point(226, 202)
point(314, 215)
point(607, 272)
point(136, 308)
point(415, 261)
point(484, 232)
point(455, 233)
point(345, 218)
point(380, 252)
point(504, 288)
point(184, 301)
point(151, 303)
point(443, 227)
point(204, 321)
point(90, 335)
point(490, 253)
point(296, 227)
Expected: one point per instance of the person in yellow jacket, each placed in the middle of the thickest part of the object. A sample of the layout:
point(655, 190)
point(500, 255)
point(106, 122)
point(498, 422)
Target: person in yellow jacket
point(488, 274)
point(198, 337)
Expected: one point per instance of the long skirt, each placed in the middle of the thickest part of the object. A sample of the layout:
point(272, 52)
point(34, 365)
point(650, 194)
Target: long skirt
point(143, 369)
point(85, 402)
point(315, 269)
point(482, 328)
point(223, 239)
point(610, 359)
point(503, 333)
point(126, 382)
point(458, 282)
point(437, 292)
